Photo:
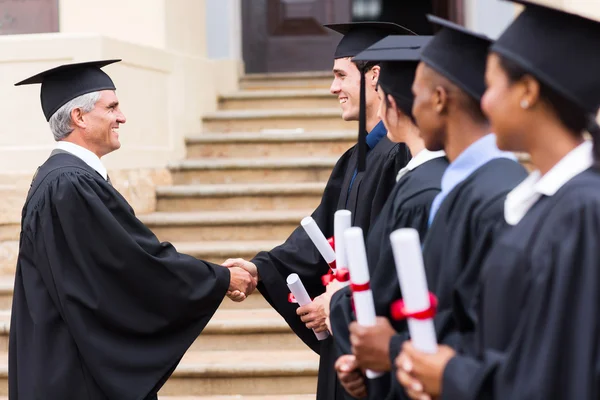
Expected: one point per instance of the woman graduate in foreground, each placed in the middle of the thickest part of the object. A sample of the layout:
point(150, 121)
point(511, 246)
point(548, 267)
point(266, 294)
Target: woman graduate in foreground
point(407, 206)
point(538, 334)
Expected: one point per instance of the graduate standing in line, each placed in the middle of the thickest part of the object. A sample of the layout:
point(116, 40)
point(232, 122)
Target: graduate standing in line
point(101, 308)
point(363, 192)
point(408, 205)
point(538, 308)
point(467, 215)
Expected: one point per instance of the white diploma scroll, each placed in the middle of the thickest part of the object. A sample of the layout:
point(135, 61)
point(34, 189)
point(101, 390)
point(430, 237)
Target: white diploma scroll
point(319, 240)
point(364, 306)
point(342, 220)
point(302, 297)
point(413, 283)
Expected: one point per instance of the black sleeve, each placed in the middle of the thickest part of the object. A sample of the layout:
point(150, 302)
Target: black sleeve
point(299, 255)
point(131, 303)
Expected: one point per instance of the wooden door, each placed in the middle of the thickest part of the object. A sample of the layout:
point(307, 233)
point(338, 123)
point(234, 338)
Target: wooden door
point(28, 16)
point(288, 35)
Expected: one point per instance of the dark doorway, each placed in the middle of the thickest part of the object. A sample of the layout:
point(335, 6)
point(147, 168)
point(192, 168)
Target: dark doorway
point(288, 36)
point(28, 16)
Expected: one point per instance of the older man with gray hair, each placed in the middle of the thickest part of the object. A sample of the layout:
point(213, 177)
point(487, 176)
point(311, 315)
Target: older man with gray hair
point(102, 309)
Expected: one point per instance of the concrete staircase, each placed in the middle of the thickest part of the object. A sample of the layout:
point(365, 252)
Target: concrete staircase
point(247, 181)
point(258, 168)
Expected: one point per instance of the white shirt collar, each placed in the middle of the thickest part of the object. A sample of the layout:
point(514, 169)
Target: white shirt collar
point(527, 193)
point(421, 158)
point(84, 154)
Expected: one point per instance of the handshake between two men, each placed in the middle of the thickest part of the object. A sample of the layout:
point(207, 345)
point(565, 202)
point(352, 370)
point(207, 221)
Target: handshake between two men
point(314, 315)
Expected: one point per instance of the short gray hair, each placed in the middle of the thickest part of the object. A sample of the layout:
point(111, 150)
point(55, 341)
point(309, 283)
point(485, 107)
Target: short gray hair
point(61, 124)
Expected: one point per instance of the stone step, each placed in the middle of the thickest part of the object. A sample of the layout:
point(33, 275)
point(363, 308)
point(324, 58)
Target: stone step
point(273, 372)
point(294, 80)
point(239, 170)
point(224, 225)
point(260, 120)
point(211, 373)
point(250, 329)
point(238, 197)
point(219, 251)
point(278, 98)
point(235, 397)
point(9, 231)
point(229, 329)
point(282, 143)
point(7, 284)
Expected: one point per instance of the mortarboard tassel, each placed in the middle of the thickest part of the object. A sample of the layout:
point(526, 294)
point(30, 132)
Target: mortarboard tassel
point(362, 124)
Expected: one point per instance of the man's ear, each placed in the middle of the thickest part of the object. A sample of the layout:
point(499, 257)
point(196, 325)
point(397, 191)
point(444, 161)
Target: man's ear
point(439, 99)
point(77, 118)
point(373, 76)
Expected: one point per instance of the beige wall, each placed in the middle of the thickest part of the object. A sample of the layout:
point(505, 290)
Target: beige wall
point(163, 94)
point(176, 25)
point(165, 84)
point(588, 8)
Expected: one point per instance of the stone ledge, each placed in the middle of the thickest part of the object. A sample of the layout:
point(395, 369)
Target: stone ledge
point(237, 397)
point(236, 190)
point(266, 114)
point(274, 136)
point(225, 248)
point(224, 218)
point(259, 163)
point(277, 94)
point(287, 75)
point(223, 364)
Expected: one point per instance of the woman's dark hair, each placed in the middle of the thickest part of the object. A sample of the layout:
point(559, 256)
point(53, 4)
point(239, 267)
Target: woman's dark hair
point(399, 102)
point(570, 114)
point(365, 65)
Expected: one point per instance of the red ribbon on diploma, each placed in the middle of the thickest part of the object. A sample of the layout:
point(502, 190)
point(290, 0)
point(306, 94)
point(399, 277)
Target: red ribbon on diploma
point(341, 275)
point(399, 312)
point(331, 242)
point(292, 299)
point(363, 287)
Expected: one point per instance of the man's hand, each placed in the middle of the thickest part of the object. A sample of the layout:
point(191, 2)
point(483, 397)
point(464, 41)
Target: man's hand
point(330, 289)
point(237, 295)
point(371, 344)
point(350, 376)
point(421, 373)
point(241, 282)
point(313, 314)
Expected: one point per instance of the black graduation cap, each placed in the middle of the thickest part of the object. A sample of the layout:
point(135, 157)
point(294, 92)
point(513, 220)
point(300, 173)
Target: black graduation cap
point(66, 82)
point(458, 54)
point(399, 56)
point(559, 48)
point(360, 35)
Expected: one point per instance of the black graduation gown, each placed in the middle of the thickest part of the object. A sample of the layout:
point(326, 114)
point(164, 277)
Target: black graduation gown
point(465, 226)
point(101, 308)
point(298, 254)
point(538, 335)
point(407, 207)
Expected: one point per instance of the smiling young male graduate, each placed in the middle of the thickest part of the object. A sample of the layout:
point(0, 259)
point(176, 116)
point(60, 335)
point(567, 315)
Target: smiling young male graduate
point(101, 308)
point(467, 215)
point(363, 192)
point(407, 207)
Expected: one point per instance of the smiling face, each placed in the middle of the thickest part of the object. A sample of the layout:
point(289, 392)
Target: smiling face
point(501, 104)
point(346, 86)
point(100, 125)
